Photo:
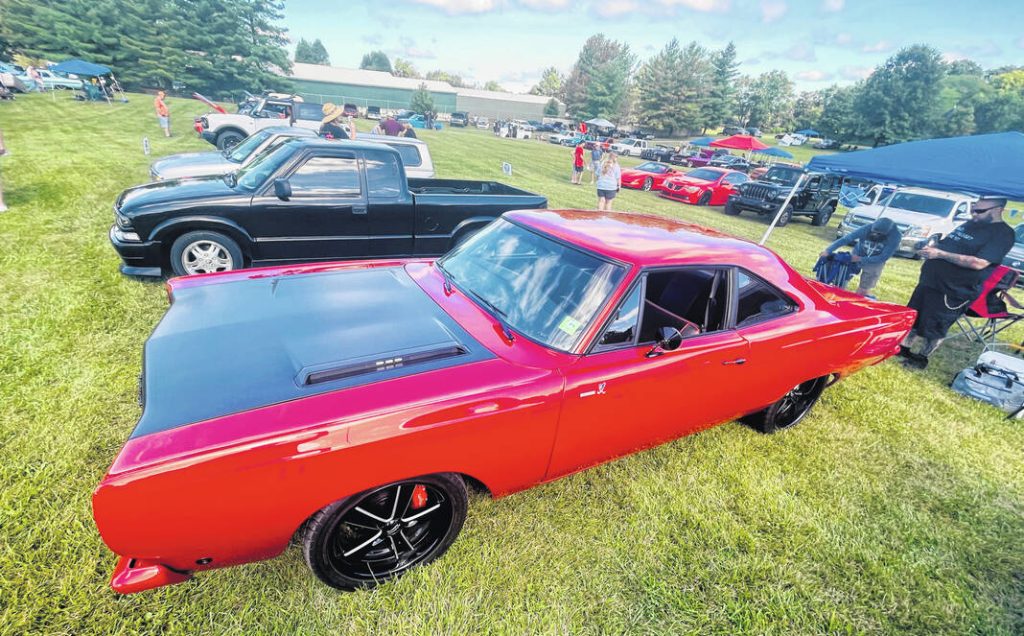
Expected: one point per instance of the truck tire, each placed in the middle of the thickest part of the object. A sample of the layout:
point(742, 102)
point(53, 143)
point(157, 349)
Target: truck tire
point(823, 215)
point(229, 139)
point(204, 252)
point(731, 209)
point(786, 216)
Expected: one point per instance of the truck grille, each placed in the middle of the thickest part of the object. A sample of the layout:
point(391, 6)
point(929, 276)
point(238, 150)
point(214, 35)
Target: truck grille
point(760, 192)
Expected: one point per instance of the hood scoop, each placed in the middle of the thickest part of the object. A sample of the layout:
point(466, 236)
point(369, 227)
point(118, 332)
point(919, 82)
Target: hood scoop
point(341, 371)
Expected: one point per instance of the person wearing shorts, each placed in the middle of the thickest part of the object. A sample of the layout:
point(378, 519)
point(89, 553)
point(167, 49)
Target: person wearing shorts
point(609, 180)
point(577, 164)
point(873, 245)
point(162, 114)
point(595, 160)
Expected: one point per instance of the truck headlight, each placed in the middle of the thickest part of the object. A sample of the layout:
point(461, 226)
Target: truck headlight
point(919, 232)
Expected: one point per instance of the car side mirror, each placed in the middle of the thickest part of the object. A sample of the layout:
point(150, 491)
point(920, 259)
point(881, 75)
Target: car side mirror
point(669, 339)
point(865, 201)
point(282, 189)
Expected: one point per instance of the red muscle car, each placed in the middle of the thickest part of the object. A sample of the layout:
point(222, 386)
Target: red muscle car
point(349, 404)
point(649, 175)
point(703, 186)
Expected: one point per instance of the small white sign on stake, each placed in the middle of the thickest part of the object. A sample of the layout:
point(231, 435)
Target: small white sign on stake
point(145, 145)
point(506, 168)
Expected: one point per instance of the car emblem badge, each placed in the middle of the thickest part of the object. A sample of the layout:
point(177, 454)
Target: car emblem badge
point(600, 391)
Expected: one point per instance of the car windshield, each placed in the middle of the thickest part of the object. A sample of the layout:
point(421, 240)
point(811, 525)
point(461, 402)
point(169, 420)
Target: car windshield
point(920, 203)
point(239, 153)
point(627, 142)
point(782, 176)
point(253, 175)
point(539, 287)
point(651, 166)
point(704, 174)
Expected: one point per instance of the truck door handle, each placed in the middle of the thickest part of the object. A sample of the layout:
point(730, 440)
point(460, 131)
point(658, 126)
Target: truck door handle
point(736, 361)
point(358, 209)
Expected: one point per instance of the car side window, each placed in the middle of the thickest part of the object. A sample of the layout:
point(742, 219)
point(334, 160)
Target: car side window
point(409, 152)
point(320, 176)
point(383, 175)
point(758, 301)
point(693, 300)
point(736, 179)
point(622, 328)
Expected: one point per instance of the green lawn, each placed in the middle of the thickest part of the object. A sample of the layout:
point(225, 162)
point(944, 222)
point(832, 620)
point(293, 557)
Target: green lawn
point(896, 507)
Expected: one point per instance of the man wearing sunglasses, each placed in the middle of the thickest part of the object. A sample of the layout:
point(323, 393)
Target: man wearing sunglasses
point(952, 276)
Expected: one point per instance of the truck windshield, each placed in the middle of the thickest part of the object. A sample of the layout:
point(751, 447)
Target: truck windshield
point(921, 203)
point(543, 289)
point(253, 175)
point(781, 176)
point(239, 153)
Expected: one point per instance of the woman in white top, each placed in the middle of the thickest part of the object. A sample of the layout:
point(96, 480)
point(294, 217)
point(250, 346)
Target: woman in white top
point(609, 180)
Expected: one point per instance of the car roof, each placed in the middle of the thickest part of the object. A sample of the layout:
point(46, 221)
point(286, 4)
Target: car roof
point(952, 196)
point(333, 143)
point(643, 239)
point(390, 139)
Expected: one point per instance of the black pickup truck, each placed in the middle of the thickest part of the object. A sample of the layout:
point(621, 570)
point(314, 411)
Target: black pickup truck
point(308, 200)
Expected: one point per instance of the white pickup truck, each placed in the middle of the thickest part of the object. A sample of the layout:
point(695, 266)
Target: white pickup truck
point(920, 214)
point(629, 147)
point(226, 130)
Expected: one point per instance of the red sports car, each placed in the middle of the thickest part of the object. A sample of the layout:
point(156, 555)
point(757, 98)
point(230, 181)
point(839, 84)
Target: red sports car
point(703, 186)
point(349, 404)
point(649, 175)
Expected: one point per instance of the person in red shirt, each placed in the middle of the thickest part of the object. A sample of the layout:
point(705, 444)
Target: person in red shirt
point(162, 113)
point(577, 164)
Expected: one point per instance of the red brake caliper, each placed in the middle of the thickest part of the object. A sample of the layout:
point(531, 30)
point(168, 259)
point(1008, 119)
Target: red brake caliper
point(419, 496)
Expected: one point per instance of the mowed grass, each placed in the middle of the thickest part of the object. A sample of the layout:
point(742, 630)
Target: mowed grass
point(896, 507)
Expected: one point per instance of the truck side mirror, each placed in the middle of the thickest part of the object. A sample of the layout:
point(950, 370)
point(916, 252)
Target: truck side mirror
point(282, 189)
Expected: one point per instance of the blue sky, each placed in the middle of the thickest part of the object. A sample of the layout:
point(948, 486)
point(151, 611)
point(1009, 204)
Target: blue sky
point(818, 42)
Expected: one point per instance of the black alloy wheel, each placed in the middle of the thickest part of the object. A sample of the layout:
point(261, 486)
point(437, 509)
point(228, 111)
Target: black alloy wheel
point(823, 216)
point(648, 184)
point(369, 538)
point(790, 409)
point(705, 198)
point(786, 216)
point(229, 139)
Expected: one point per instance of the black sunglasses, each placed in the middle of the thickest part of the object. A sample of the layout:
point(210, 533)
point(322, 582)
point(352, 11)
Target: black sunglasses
point(984, 210)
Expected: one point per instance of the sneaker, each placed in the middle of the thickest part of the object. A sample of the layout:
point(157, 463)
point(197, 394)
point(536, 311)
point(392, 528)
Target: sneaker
point(904, 352)
point(916, 361)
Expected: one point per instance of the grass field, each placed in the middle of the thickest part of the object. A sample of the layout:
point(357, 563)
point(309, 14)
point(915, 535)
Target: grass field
point(895, 507)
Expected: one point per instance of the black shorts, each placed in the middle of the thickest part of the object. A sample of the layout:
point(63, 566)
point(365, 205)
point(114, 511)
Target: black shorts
point(606, 194)
point(936, 311)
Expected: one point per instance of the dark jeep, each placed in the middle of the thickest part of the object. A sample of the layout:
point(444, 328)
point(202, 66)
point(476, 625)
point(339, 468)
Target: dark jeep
point(816, 198)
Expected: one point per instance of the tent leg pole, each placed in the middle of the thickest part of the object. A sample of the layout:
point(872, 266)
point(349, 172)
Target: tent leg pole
point(789, 197)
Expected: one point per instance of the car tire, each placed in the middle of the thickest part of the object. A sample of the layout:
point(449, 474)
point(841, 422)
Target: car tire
point(786, 216)
point(824, 215)
point(204, 252)
point(790, 409)
point(731, 209)
point(229, 139)
point(705, 198)
point(648, 184)
point(384, 543)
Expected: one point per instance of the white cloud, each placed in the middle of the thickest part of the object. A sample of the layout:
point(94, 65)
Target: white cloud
point(613, 8)
point(800, 52)
point(844, 39)
point(833, 5)
point(772, 10)
point(545, 5)
point(704, 6)
point(880, 46)
point(813, 76)
point(454, 7)
point(953, 56)
point(855, 72)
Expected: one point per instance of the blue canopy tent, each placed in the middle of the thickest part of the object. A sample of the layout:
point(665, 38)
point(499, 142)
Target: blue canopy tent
point(93, 90)
point(981, 164)
point(703, 142)
point(809, 132)
point(774, 152)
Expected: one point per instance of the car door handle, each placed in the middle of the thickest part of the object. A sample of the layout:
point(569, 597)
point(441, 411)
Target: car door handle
point(358, 209)
point(736, 361)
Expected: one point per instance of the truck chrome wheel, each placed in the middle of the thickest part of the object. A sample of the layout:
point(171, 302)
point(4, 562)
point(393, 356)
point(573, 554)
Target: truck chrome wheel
point(206, 257)
point(371, 537)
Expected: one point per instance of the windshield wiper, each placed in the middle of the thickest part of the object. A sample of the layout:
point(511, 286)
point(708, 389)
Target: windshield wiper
point(447, 279)
point(500, 316)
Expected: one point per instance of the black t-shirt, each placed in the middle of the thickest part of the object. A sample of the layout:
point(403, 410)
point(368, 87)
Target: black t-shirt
point(333, 131)
point(988, 241)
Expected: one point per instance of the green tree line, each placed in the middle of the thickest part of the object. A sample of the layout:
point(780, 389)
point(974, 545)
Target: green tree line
point(212, 46)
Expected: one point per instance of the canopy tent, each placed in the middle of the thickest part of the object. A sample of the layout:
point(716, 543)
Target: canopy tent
point(740, 142)
point(809, 132)
point(600, 123)
point(703, 142)
point(773, 151)
point(81, 67)
point(981, 164)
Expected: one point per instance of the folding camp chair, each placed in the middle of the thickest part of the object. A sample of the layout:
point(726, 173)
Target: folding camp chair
point(988, 315)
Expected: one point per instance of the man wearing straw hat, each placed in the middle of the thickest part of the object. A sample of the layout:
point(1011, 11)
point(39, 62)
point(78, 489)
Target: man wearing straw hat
point(330, 126)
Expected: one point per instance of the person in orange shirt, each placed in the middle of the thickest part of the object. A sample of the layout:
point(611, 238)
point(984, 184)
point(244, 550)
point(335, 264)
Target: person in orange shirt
point(162, 113)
